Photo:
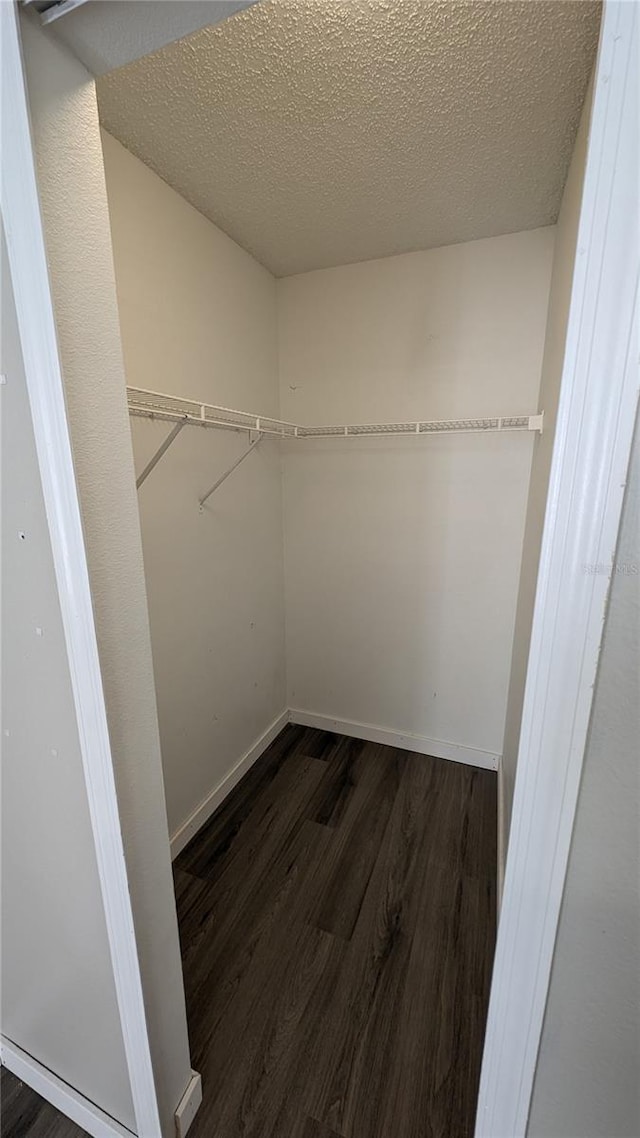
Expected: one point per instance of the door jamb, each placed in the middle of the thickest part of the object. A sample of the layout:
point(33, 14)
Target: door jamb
point(598, 400)
point(34, 309)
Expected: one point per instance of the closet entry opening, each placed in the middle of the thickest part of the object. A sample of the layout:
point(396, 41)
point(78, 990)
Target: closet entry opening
point(340, 232)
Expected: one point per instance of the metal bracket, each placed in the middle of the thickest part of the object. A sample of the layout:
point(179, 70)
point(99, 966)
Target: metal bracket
point(159, 453)
point(230, 469)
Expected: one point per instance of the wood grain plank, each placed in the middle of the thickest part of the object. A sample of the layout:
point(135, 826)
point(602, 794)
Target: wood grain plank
point(252, 892)
point(278, 1017)
point(342, 878)
point(318, 744)
point(310, 1128)
point(338, 783)
point(404, 982)
point(364, 1022)
point(469, 841)
point(209, 846)
point(26, 1115)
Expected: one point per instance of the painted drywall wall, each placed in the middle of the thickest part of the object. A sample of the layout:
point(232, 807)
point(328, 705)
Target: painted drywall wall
point(402, 556)
point(361, 129)
point(587, 1075)
point(198, 318)
point(58, 994)
point(559, 298)
point(76, 224)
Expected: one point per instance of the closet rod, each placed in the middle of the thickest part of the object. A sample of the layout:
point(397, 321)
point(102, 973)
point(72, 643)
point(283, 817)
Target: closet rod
point(155, 405)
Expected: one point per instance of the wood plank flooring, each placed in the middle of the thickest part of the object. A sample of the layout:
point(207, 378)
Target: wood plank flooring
point(25, 1115)
point(337, 921)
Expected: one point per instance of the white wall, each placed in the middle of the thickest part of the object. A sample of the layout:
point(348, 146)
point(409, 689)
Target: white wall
point(198, 318)
point(78, 243)
point(560, 295)
point(402, 558)
point(58, 994)
point(587, 1075)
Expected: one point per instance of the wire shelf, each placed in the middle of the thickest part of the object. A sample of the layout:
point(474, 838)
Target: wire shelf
point(155, 405)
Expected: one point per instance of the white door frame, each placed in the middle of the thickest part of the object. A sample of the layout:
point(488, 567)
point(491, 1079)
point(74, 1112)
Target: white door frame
point(34, 309)
point(598, 402)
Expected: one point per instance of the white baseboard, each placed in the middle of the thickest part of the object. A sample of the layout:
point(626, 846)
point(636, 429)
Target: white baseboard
point(438, 748)
point(502, 837)
point(205, 809)
point(188, 1106)
point(66, 1099)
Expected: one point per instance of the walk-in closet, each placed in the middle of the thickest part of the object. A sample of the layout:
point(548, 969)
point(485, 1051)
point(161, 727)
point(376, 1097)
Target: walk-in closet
point(342, 236)
point(333, 234)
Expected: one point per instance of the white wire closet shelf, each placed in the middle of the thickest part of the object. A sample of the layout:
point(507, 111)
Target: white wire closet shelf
point(155, 405)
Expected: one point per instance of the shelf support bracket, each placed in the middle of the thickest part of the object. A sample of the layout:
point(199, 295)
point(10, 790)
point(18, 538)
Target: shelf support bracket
point(164, 446)
point(230, 469)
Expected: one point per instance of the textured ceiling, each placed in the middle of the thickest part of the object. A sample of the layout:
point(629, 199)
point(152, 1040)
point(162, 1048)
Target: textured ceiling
point(319, 132)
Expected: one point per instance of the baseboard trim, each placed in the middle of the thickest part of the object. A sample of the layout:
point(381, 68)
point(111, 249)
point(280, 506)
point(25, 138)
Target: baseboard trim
point(438, 748)
point(189, 1105)
point(203, 812)
point(65, 1098)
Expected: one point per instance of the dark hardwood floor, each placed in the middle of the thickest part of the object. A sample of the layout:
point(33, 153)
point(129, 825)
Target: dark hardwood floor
point(337, 920)
point(25, 1115)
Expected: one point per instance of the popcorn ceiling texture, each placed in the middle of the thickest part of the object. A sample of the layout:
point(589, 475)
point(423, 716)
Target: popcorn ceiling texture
point(321, 132)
